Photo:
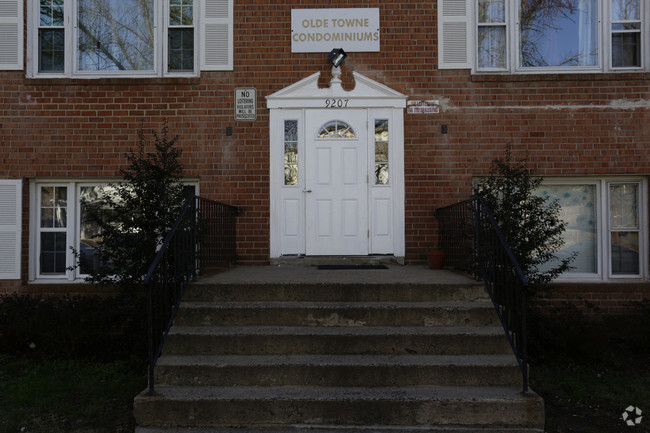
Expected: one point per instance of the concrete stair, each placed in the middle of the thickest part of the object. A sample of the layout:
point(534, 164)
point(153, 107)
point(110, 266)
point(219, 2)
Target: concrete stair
point(324, 358)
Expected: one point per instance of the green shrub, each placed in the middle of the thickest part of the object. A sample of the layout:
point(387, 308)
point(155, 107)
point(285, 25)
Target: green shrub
point(530, 223)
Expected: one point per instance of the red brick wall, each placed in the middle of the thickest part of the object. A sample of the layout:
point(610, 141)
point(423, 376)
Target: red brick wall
point(578, 124)
point(598, 299)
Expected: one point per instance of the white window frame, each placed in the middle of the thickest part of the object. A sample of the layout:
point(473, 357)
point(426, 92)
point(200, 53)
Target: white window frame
point(72, 228)
point(451, 43)
point(603, 243)
point(203, 22)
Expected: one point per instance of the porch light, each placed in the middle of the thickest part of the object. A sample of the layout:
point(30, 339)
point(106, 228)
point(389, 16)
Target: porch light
point(337, 56)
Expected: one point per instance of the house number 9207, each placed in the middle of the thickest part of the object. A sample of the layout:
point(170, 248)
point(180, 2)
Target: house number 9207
point(336, 103)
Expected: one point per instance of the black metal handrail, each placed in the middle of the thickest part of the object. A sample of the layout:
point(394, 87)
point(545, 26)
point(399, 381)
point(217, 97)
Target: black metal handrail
point(202, 238)
point(474, 243)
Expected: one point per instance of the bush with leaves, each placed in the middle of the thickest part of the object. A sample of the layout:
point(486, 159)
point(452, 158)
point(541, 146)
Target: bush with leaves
point(530, 223)
point(133, 217)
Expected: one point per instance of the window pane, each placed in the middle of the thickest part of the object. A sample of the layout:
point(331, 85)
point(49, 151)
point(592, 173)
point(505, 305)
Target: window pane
point(116, 35)
point(558, 34)
point(291, 153)
point(181, 49)
point(291, 130)
point(381, 174)
point(491, 11)
point(180, 13)
point(290, 174)
point(381, 130)
point(492, 47)
point(47, 196)
point(626, 50)
point(381, 151)
point(54, 212)
point(625, 253)
point(578, 210)
point(53, 251)
point(51, 13)
point(623, 206)
point(626, 10)
point(626, 26)
point(51, 50)
point(336, 129)
point(89, 232)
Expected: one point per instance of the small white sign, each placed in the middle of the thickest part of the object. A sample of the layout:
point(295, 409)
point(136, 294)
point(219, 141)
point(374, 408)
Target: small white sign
point(245, 103)
point(322, 30)
point(423, 107)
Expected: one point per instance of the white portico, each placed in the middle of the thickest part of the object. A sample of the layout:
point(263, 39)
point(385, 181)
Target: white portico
point(337, 169)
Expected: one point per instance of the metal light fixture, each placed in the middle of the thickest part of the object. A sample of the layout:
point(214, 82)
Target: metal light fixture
point(337, 56)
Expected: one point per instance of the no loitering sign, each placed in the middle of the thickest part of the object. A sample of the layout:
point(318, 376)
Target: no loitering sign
point(245, 103)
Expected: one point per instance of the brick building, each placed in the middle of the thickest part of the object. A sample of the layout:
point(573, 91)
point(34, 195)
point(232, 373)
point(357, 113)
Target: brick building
point(430, 93)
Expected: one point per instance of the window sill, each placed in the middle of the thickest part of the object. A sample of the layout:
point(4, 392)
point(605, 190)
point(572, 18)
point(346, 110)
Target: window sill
point(69, 81)
point(557, 76)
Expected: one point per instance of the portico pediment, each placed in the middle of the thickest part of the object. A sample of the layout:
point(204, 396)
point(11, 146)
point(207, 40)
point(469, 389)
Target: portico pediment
point(306, 94)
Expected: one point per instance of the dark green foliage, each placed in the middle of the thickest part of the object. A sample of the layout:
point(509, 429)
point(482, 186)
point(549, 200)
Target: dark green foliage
point(74, 327)
point(530, 223)
point(134, 216)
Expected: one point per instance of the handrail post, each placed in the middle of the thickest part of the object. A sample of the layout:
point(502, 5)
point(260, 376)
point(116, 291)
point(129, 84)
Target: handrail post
point(524, 341)
point(150, 342)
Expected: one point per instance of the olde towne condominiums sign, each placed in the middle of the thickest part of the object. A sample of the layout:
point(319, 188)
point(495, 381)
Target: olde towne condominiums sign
point(321, 30)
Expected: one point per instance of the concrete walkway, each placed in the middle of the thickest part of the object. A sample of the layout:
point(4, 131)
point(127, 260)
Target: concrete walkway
point(290, 274)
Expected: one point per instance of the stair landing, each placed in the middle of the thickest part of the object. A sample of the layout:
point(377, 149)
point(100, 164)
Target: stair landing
point(297, 274)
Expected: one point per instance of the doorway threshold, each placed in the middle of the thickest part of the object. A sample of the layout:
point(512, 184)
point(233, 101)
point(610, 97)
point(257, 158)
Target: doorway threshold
point(370, 260)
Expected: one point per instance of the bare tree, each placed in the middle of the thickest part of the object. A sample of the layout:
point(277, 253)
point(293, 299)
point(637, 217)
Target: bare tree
point(116, 34)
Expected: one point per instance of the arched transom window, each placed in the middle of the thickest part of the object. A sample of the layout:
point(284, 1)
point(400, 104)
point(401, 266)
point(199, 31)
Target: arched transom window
point(336, 129)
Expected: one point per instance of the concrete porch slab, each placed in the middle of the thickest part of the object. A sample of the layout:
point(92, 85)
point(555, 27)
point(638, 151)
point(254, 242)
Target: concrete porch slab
point(290, 274)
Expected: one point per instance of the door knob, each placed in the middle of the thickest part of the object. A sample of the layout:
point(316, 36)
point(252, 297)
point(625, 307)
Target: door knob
point(306, 190)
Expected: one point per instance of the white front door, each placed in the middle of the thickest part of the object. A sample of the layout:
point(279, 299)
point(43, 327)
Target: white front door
point(336, 182)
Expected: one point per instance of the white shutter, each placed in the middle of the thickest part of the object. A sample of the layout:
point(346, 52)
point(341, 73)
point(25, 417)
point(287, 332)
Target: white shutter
point(454, 34)
point(217, 35)
point(10, 224)
point(11, 34)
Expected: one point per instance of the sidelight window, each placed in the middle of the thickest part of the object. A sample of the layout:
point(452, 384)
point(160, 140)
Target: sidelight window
point(381, 152)
point(291, 152)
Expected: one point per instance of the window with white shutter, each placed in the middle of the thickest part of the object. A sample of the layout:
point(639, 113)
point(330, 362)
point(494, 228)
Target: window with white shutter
point(10, 228)
point(454, 35)
point(11, 34)
point(127, 38)
point(540, 36)
point(217, 32)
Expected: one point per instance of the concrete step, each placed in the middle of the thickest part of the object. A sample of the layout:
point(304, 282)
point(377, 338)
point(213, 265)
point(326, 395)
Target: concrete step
point(339, 370)
point(335, 292)
point(278, 340)
point(339, 429)
point(464, 313)
point(248, 407)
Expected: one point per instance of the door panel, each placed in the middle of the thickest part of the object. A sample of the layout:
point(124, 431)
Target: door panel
point(336, 188)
